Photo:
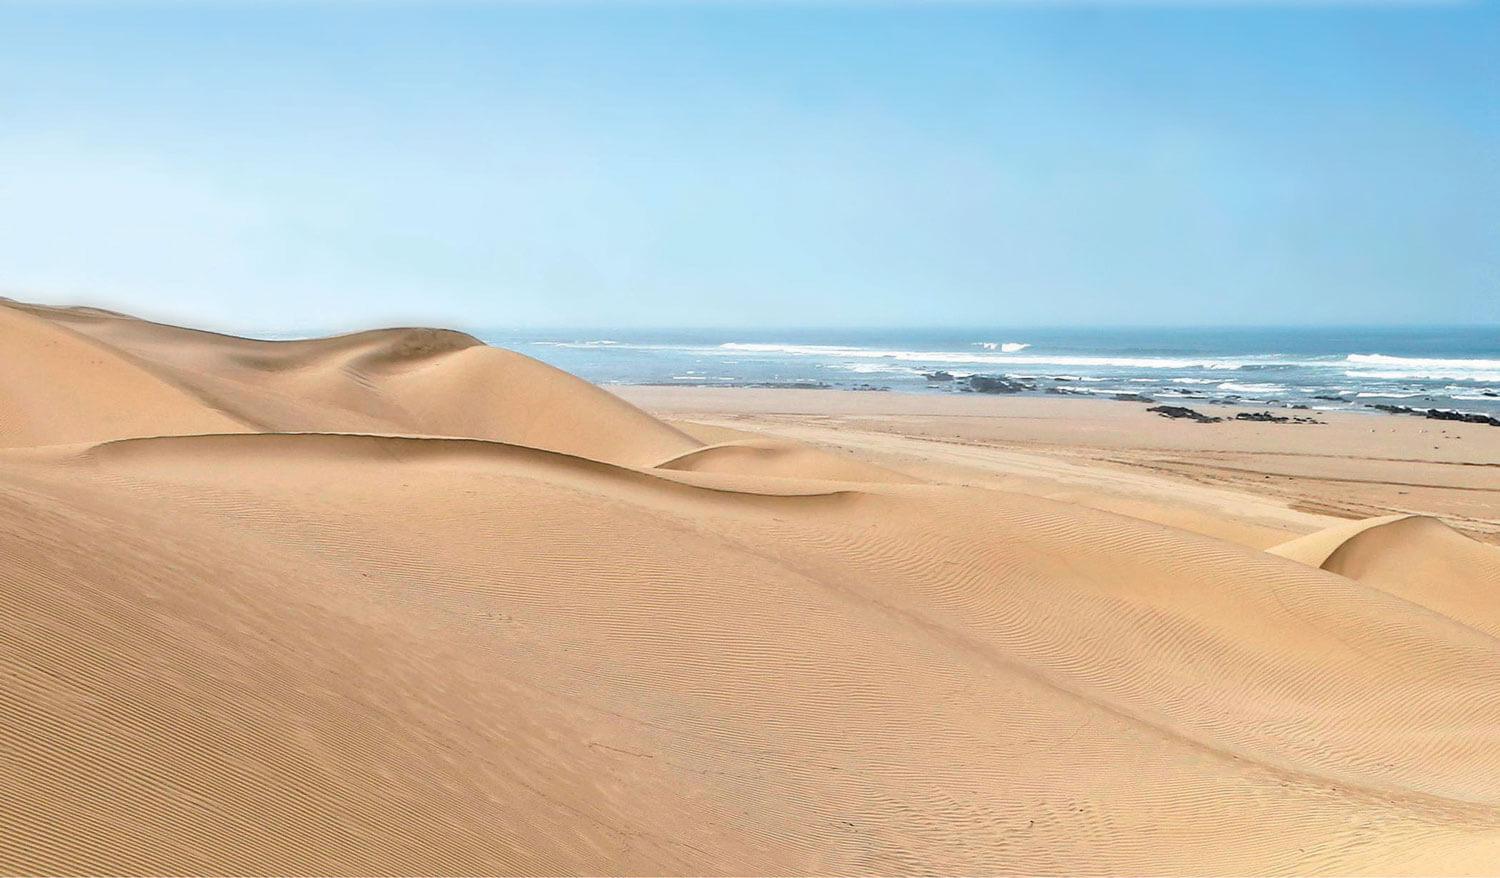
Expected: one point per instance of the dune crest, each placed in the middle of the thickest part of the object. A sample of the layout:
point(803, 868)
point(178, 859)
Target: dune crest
point(780, 458)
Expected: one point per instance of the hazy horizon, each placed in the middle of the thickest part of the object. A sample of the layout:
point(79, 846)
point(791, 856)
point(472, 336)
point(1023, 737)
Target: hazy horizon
point(755, 166)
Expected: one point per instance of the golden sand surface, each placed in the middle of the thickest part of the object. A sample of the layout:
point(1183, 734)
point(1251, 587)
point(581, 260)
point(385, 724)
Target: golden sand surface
point(398, 602)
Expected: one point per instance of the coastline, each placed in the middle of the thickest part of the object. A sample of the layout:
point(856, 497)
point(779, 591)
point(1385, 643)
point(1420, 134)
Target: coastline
point(1324, 369)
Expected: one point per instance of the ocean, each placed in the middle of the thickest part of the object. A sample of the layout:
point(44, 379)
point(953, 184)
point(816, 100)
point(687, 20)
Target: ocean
point(1323, 368)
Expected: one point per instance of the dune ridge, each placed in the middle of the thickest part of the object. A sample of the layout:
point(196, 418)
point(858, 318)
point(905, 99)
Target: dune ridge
point(402, 603)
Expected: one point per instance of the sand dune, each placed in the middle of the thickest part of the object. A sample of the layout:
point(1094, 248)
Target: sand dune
point(575, 640)
point(1415, 557)
point(410, 381)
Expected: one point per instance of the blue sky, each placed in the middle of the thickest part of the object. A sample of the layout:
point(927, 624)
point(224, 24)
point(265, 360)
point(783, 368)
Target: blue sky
point(492, 164)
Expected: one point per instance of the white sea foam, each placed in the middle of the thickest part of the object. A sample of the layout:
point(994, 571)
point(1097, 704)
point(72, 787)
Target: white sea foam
point(1428, 368)
point(1006, 347)
point(1428, 375)
point(939, 357)
point(1252, 387)
point(1383, 360)
point(873, 368)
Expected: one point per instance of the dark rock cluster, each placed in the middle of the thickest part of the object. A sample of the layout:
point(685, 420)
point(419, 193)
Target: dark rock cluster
point(1466, 417)
point(1177, 411)
point(993, 384)
point(1269, 418)
point(1438, 414)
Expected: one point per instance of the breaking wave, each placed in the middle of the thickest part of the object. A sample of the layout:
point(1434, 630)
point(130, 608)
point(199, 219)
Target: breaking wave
point(1421, 368)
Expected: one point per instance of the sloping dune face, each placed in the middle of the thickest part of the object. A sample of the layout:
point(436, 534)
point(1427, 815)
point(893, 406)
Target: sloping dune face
point(391, 651)
point(57, 387)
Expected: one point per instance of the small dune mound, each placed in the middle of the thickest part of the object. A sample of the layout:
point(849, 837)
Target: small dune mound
point(1313, 549)
point(765, 457)
point(1415, 557)
point(58, 387)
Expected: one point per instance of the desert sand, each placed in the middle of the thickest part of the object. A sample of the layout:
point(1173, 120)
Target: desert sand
point(399, 602)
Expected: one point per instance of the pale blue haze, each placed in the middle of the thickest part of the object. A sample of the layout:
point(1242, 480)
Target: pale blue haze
point(515, 165)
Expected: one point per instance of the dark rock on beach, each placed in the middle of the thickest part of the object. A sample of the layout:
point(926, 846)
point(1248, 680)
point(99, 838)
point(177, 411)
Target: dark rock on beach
point(1177, 411)
point(1439, 414)
point(1465, 417)
point(1269, 418)
point(1262, 416)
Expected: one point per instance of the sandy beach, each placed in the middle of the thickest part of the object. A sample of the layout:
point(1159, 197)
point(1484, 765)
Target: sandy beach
point(398, 602)
point(1253, 483)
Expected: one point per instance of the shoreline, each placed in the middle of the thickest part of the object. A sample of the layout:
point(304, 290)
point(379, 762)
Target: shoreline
point(1451, 414)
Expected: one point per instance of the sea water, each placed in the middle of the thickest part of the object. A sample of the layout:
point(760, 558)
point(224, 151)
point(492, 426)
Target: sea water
point(1322, 368)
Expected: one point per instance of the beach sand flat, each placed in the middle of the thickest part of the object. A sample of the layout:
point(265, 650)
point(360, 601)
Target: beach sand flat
point(399, 602)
